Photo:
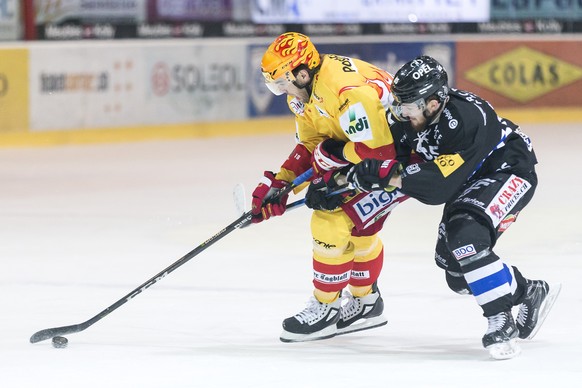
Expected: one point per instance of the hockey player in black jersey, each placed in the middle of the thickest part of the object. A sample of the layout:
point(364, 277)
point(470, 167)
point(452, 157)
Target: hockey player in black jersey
point(456, 150)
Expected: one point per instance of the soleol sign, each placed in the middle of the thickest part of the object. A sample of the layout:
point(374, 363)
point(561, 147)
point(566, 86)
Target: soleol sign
point(524, 74)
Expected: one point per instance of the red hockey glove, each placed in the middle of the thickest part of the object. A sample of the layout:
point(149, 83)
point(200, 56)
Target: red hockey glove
point(373, 174)
point(263, 206)
point(328, 156)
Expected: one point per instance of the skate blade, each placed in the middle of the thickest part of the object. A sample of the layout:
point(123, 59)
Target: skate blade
point(363, 324)
point(545, 308)
point(504, 350)
point(326, 333)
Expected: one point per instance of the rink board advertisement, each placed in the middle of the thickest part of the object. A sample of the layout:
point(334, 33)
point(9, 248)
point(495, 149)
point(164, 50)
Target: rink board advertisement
point(99, 86)
point(162, 86)
point(512, 74)
point(388, 56)
point(13, 90)
point(10, 20)
point(538, 9)
point(195, 82)
point(57, 11)
point(189, 10)
point(365, 11)
point(84, 86)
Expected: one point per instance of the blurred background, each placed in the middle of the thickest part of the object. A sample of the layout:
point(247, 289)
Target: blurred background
point(85, 71)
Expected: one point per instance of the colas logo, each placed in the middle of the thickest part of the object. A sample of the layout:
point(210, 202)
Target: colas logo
point(524, 74)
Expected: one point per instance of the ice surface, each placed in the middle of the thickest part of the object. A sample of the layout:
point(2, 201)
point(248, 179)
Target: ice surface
point(81, 226)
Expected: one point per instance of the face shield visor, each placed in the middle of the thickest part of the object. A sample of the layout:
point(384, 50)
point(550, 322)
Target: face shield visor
point(404, 111)
point(280, 85)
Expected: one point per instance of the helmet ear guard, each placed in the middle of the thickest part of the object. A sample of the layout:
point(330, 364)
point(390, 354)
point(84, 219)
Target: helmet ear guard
point(442, 94)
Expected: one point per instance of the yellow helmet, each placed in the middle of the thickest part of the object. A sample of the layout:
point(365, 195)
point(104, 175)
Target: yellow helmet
point(286, 53)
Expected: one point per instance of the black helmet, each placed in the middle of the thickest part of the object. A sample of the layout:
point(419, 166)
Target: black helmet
point(420, 78)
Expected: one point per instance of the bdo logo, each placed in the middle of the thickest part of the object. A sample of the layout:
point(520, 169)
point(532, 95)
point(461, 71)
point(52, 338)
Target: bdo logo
point(467, 250)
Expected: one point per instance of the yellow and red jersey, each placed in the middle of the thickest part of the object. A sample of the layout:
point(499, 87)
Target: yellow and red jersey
point(348, 102)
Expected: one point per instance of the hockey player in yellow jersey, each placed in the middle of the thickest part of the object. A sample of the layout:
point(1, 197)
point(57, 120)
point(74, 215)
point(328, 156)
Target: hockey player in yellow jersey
point(340, 106)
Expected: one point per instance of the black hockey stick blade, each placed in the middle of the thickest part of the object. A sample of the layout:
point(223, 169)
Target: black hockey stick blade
point(56, 331)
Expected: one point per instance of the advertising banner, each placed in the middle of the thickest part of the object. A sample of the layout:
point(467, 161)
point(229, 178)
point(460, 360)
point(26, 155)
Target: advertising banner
point(522, 73)
point(189, 10)
point(10, 21)
point(366, 11)
point(195, 82)
point(85, 86)
point(135, 84)
point(536, 9)
point(387, 56)
point(13, 90)
point(79, 11)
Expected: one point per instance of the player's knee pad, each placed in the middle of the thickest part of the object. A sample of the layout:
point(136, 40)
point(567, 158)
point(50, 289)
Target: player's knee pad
point(456, 282)
point(366, 248)
point(368, 260)
point(442, 255)
point(331, 232)
point(333, 252)
point(467, 238)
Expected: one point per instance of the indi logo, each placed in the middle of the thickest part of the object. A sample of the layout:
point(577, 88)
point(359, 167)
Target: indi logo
point(355, 123)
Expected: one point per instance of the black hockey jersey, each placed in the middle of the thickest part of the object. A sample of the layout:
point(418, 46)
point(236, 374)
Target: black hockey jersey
point(469, 141)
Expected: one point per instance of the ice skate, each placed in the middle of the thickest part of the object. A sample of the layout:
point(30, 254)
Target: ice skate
point(539, 299)
point(363, 313)
point(500, 336)
point(317, 321)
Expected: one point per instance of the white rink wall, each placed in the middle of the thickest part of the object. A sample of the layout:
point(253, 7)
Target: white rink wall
point(121, 90)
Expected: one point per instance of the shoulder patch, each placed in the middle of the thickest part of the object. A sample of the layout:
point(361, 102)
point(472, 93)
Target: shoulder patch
point(297, 107)
point(355, 123)
point(447, 164)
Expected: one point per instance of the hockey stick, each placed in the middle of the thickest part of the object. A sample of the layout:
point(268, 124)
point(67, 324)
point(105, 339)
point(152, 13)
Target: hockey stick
point(339, 190)
point(242, 221)
point(239, 198)
point(238, 195)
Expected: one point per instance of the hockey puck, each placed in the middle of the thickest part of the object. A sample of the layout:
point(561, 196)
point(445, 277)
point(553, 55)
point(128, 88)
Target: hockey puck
point(60, 342)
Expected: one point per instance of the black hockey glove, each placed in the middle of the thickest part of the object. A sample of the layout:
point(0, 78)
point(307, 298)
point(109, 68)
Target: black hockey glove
point(318, 198)
point(373, 174)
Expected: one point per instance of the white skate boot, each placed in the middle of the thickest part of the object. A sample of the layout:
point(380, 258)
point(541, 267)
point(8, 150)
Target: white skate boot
point(317, 321)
